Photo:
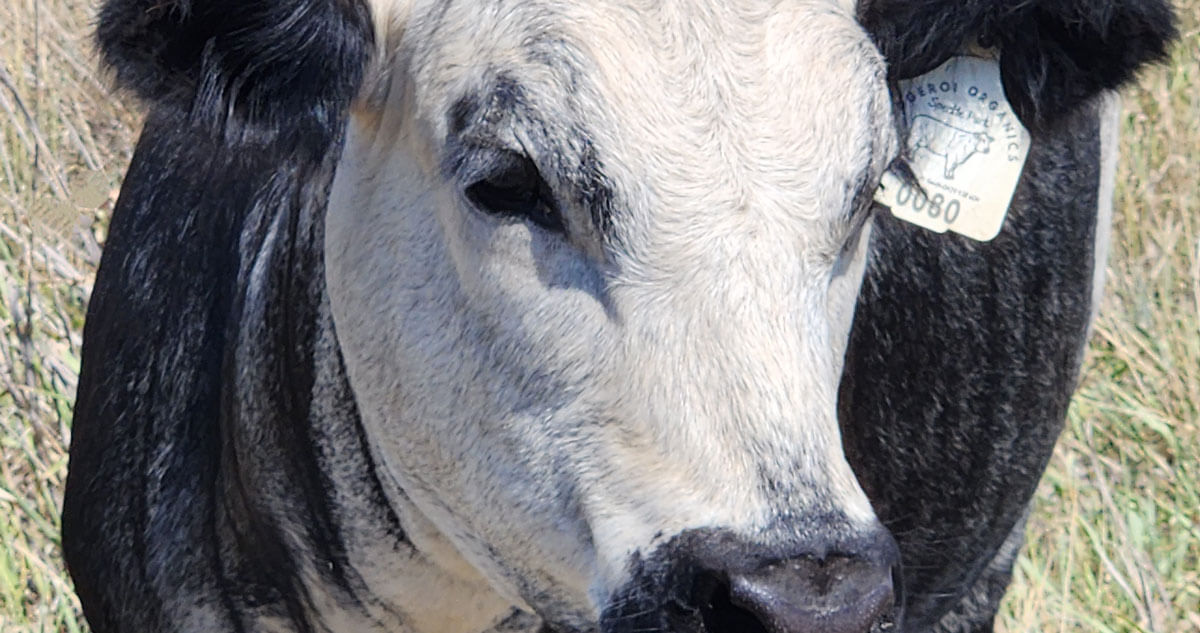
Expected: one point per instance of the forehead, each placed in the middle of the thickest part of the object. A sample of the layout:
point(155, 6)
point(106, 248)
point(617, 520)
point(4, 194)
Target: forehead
point(717, 58)
point(788, 95)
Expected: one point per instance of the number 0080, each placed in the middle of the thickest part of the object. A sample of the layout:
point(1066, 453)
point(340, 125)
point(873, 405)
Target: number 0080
point(936, 207)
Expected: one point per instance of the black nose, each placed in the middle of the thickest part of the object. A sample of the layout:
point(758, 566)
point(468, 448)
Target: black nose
point(837, 595)
point(846, 590)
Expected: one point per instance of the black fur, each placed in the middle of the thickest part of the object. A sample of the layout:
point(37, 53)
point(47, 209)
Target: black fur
point(247, 101)
point(961, 363)
point(1055, 55)
point(253, 71)
point(963, 356)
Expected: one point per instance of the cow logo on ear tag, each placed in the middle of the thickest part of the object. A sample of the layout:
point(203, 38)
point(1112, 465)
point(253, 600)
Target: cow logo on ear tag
point(966, 148)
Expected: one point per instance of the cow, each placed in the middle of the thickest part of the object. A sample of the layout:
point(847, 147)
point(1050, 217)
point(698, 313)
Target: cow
point(437, 316)
point(955, 145)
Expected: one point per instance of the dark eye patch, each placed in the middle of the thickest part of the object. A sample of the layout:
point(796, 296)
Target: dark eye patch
point(513, 187)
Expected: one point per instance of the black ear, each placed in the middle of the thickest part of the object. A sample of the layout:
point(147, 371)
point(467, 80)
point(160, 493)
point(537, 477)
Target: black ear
point(264, 64)
point(1055, 54)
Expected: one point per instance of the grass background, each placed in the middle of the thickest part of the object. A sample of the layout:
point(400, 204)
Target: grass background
point(1114, 541)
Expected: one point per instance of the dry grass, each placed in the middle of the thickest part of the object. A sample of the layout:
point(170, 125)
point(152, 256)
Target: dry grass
point(63, 143)
point(1114, 544)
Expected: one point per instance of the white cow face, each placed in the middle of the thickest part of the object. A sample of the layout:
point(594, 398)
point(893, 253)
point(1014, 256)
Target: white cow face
point(592, 267)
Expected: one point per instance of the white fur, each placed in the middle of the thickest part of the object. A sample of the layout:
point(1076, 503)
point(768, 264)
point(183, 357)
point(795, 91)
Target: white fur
point(542, 408)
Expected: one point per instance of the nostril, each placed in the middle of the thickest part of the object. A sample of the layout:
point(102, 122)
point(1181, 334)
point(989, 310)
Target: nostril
point(718, 613)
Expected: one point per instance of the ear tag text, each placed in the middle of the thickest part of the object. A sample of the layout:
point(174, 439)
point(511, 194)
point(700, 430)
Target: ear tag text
point(966, 147)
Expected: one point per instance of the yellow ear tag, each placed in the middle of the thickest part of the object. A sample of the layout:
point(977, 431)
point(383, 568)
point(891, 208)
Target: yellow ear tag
point(966, 147)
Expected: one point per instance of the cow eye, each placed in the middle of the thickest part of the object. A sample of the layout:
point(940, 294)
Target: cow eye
point(513, 187)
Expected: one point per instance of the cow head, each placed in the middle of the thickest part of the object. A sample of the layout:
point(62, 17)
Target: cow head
point(592, 267)
point(983, 143)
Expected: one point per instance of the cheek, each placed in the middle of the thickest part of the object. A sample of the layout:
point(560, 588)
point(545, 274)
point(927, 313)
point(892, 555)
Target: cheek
point(844, 289)
point(446, 314)
point(533, 302)
point(458, 354)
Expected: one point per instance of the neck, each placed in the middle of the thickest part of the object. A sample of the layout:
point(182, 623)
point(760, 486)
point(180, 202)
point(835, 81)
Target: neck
point(307, 515)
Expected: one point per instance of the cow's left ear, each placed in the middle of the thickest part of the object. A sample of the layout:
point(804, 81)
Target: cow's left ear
point(1054, 54)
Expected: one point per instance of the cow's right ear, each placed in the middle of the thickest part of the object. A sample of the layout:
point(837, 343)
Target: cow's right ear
point(1053, 55)
point(259, 64)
